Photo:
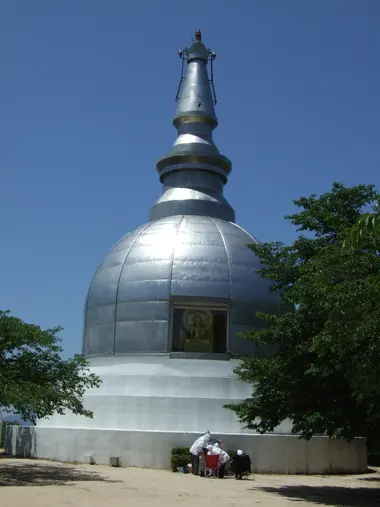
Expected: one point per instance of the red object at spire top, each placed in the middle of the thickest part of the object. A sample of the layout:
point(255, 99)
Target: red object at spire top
point(198, 35)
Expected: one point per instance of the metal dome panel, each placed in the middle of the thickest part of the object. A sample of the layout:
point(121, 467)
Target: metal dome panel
point(178, 258)
point(190, 253)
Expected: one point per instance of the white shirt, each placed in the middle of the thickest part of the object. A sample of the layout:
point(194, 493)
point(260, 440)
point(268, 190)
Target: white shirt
point(223, 456)
point(199, 444)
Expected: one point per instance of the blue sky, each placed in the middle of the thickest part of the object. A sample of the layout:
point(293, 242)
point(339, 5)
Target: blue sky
point(86, 103)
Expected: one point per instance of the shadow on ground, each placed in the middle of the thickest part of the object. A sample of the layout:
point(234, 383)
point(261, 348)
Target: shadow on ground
point(36, 474)
point(330, 495)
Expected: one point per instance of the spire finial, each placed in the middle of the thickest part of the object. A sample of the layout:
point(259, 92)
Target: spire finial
point(194, 171)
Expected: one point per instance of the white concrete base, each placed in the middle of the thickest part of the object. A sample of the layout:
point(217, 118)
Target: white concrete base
point(149, 404)
point(157, 393)
point(279, 454)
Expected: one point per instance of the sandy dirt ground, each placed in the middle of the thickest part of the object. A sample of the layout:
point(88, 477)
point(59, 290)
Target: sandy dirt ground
point(38, 483)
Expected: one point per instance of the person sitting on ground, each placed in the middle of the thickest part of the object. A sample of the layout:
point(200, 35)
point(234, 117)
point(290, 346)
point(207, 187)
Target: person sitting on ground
point(223, 458)
point(241, 464)
point(196, 449)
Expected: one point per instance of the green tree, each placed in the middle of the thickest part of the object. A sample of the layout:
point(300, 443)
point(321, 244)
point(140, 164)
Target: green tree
point(366, 231)
point(325, 373)
point(35, 381)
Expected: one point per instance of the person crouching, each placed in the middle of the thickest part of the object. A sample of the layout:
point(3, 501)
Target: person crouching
point(241, 464)
point(223, 458)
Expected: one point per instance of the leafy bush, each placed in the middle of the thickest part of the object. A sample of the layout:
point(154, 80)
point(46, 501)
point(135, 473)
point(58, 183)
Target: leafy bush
point(4, 429)
point(180, 457)
point(181, 450)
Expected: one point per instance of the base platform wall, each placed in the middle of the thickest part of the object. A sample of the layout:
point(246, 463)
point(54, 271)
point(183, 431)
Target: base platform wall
point(279, 454)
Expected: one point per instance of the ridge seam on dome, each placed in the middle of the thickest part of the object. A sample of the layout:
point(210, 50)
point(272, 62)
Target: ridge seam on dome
point(118, 281)
point(172, 263)
point(227, 254)
point(246, 232)
point(89, 289)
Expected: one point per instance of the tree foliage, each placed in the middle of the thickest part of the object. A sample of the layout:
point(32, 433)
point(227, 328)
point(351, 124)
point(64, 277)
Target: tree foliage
point(367, 228)
point(366, 231)
point(325, 374)
point(35, 381)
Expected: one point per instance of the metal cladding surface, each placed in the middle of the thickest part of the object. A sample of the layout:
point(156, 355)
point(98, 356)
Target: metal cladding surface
point(196, 96)
point(193, 193)
point(195, 120)
point(168, 260)
point(190, 252)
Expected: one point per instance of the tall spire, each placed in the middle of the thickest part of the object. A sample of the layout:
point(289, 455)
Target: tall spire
point(195, 96)
point(194, 172)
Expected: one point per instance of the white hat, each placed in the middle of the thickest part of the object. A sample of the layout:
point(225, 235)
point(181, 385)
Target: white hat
point(240, 452)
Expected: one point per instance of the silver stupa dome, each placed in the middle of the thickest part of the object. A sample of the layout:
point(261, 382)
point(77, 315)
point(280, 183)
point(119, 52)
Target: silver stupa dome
point(185, 283)
point(162, 318)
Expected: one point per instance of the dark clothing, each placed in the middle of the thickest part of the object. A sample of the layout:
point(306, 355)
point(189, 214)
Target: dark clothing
point(221, 472)
point(241, 465)
point(195, 464)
